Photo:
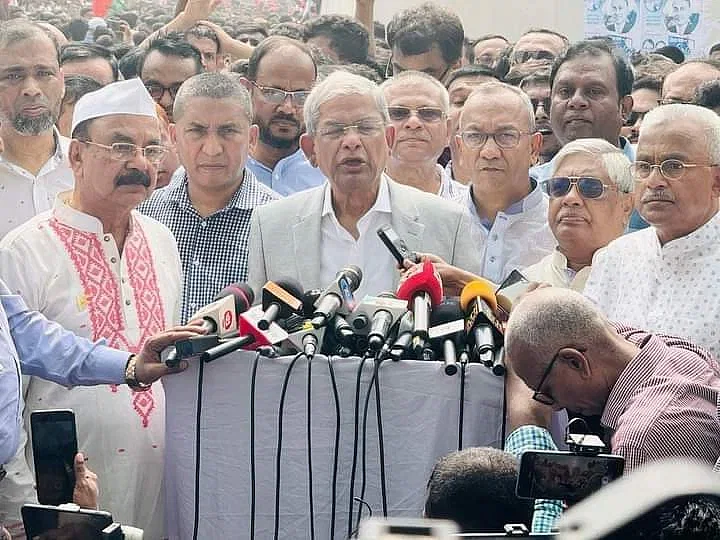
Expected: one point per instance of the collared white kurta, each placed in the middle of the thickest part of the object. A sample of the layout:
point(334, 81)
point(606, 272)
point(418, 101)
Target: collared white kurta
point(554, 269)
point(673, 289)
point(63, 265)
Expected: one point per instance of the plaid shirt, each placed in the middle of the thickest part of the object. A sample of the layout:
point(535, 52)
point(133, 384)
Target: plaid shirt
point(213, 249)
point(527, 438)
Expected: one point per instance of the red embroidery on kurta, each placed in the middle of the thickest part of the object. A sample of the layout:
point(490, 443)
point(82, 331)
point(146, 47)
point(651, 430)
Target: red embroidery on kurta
point(102, 290)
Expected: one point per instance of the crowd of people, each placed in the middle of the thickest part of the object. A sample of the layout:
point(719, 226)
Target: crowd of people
point(152, 156)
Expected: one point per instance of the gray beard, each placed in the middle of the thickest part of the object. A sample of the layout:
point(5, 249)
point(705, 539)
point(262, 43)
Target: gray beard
point(34, 125)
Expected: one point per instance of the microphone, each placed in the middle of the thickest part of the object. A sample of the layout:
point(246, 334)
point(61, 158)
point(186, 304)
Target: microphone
point(399, 348)
point(498, 367)
point(374, 317)
point(337, 297)
point(306, 338)
point(422, 289)
point(280, 299)
point(482, 327)
point(219, 320)
point(447, 332)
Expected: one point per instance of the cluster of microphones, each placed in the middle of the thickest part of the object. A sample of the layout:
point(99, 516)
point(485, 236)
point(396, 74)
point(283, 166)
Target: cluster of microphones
point(414, 323)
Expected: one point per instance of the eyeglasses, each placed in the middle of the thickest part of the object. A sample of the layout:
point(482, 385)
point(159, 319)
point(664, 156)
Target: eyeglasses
point(426, 114)
point(539, 395)
point(278, 95)
point(520, 57)
point(587, 186)
point(157, 90)
point(672, 169)
point(545, 102)
point(364, 128)
point(154, 153)
point(508, 138)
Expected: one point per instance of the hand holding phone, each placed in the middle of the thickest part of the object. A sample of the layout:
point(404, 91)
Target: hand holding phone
point(54, 444)
point(397, 246)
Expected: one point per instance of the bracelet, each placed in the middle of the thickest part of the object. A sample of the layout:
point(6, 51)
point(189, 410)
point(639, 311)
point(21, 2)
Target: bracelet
point(131, 377)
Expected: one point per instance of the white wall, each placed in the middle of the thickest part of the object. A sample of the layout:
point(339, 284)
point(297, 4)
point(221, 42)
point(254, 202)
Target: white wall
point(508, 17)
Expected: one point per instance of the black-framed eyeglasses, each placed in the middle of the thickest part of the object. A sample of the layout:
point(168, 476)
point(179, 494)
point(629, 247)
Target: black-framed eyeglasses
point(672, 169)
point(154, 153)
point(508, 138)
point(430, 115)
point(520, 57)
point(539, 395)
point(278, 95)
point(157, 90)
point(545, 102)
point(588, 186)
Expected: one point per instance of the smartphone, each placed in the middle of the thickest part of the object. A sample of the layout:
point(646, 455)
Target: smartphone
point(509, 291)
point(406, 529)
point(76, 523)
point(564, 475)
point(396, 245)
point(54, 444)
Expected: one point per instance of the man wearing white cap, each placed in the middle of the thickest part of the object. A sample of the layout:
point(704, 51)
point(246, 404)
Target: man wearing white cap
point(103, 270)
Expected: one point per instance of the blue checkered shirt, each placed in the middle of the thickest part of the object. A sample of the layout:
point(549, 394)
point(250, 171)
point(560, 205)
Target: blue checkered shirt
point(213, 249)
point(527, 438)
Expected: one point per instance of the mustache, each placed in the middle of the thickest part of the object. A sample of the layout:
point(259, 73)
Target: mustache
point(133, 178)
point(285, 118)
point(660, 195)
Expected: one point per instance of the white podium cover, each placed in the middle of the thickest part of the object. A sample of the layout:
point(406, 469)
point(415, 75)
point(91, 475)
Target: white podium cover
point(420, 409)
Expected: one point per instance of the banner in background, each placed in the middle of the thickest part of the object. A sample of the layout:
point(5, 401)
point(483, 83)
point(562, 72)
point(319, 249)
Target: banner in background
point(645, 25)
point(297, 9)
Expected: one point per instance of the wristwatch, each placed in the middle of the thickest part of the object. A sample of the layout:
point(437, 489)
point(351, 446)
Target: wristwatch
point(130, 376)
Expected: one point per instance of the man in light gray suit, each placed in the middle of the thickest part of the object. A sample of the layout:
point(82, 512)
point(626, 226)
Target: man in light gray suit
point(313, 234)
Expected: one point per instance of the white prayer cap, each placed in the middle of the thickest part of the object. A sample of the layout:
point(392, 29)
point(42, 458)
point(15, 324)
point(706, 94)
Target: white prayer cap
point(123, 97)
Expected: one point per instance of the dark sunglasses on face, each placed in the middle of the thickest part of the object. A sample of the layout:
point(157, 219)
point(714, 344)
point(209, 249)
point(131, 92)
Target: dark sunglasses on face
point(157, 90)
point(545, 102)
point(587, 186)
point(426, 114)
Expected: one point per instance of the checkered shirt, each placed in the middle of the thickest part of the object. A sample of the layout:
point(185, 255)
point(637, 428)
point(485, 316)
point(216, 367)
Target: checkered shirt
point(527, 438)
point(213, 249)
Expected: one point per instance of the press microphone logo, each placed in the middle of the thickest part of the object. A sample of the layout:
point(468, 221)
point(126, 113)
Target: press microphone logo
point(348, 297)
point(227, 321)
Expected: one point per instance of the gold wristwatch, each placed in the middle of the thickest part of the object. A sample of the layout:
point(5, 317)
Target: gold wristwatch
point(131, 377)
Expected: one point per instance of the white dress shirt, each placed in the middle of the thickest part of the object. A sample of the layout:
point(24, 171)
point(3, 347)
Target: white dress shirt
point(519, 236)
point(64, 265)
point(554, 269)
point(25, 195)
point(673, 289)
point(338, 248)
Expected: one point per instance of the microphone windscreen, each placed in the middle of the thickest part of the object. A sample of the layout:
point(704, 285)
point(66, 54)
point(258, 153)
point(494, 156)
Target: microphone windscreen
point(353, 274)
point(243, 294)
point(446, 311)
point(422, 278)
point(480, 287)
point(290, 285)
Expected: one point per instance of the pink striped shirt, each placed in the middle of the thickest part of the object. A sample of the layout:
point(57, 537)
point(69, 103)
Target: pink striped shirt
point(665, 402)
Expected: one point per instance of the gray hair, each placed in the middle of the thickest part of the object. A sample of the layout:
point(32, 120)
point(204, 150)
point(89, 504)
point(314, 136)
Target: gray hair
point(214, 86)
point(616, 163)
point(547, 320)
point(340, 84)
point(708, 121)
point(17, 30)
point(497, 87)
point(410, 77)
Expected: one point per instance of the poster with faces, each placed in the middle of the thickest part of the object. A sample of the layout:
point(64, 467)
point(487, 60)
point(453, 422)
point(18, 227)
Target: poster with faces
point(645, 25)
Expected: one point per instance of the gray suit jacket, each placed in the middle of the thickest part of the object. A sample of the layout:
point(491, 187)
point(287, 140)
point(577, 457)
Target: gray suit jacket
point(285, 234)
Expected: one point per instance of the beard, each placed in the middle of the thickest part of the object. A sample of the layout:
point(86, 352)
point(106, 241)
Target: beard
point(33, 125)
point(281, 143)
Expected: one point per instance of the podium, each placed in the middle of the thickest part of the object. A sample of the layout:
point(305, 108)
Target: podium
point(420, 411)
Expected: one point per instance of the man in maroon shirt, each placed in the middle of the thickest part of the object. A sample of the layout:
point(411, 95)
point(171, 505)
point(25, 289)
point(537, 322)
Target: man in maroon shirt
point(658, 395)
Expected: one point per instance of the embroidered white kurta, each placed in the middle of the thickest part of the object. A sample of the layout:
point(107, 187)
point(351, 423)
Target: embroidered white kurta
point(63, 265)
point(673, 289)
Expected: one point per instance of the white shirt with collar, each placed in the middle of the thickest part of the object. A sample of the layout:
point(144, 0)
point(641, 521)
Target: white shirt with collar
point(338, 248)
point(26, 195)
point(519, 237)
point(554, 269)
point(450, 189)
point(64, 265)
point(671, 289)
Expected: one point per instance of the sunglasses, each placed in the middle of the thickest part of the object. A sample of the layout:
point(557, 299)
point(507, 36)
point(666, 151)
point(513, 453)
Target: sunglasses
point(426, 114)
point(157, 90)
point(521, 57)
point(545, 102)
point(587, 186)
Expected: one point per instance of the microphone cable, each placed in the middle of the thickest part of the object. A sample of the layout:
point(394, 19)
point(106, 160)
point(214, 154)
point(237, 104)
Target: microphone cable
point(198, 420)
point(253, 377)
point(283, 393)
point(461, 416)
point(363, 482)
point(309, 449)
point(355, 445)
point(381, 438)
point(336, 451)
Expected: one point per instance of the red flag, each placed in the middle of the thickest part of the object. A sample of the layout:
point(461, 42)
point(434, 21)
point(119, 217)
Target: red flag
point(101, 7)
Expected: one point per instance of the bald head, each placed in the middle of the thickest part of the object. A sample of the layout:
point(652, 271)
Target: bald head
point(680, 85)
